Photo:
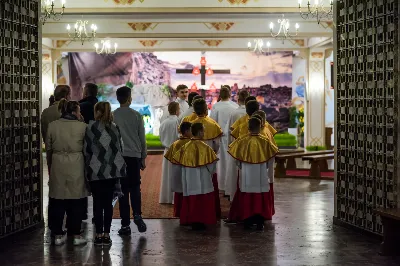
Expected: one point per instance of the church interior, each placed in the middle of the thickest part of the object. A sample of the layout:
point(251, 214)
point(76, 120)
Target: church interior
point(325, 73)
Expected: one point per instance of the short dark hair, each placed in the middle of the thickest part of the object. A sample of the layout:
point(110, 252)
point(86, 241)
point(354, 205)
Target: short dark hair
point(191, 97)
point(173, 107)
point(61, 92)
point(250, 98)
point(251, 107)
point(91, 89)
point(185, 126)
point(123, 94)
point(196, 129)
point(181, 87)
point(200, 106)
point(242, 96)
point(261, 114)
point(225, 92)
point(67, 107)
point(254, 124)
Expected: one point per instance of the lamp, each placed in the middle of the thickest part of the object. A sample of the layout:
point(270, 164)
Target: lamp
point(48, 11)
point(80, 33)
point(317, 11)
point(283, 32)
point(106, 47)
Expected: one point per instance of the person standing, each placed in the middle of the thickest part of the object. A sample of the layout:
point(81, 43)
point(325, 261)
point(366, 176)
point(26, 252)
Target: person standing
point(104, 167)
point(175, 171)
point(192, 116)
point(182, 92)
point(198, 162)
point(220, 112)
point(189, 111)
point(67, 186)
point(131, 126)
point(231, 167)
point(254, 154)
point(88, 102)
point(168, 135)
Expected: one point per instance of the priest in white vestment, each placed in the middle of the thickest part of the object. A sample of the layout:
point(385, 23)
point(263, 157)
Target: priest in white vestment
point(221, 112)
point(230, 173)
point(198, 162)
point(168, 135)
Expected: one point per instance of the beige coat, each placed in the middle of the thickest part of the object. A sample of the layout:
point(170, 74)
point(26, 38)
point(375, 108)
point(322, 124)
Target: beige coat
point(64, 145)
point(49, 115)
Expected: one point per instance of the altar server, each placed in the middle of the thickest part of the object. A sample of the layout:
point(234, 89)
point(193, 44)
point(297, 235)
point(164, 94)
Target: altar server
point(231, 167)
point(244, 118)
point(182, 95)
point(192, 116)
point(254, 154)
point(189, 111)
point(175, 170)
point(220, 112)
point(198, 162)
point(212, 136)
point(168, 135)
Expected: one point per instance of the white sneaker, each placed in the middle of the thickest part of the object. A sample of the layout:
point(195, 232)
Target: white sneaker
point(60, 240)
point(79, 241)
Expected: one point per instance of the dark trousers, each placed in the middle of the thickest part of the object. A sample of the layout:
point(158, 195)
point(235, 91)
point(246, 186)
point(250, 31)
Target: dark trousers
point(131, 188)
point(73, 208)
point(103, 194)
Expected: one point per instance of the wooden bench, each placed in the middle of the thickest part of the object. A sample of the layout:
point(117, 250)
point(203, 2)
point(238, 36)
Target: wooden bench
point(290, 160)
point(391, 231)
point(319, 163)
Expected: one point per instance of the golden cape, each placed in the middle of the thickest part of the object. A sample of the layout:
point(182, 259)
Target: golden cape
point(253, 149)
point(190, 117)
point(238, 122)
point(195, 153)
point(211, 128)
point(267, 131)
point(169, 155)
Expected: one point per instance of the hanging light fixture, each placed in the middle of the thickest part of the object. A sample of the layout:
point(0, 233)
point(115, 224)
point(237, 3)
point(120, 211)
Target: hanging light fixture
point(317, 11)
point(283, 32)
point(209, 72)
point(80, 33)
point(258, 48)
point(48, 11)
point(106, 47)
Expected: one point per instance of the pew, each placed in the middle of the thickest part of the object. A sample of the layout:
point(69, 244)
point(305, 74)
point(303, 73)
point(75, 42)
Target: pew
point(391, 231)
point(319, 163)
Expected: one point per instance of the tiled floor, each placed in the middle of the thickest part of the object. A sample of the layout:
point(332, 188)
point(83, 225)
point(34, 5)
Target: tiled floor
point(301, 233)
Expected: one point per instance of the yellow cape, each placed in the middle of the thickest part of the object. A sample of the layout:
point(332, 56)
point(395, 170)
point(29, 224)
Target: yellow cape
point(190, 117)
point(195, 153)
point(211, 128)
point(267, 131)
point(238, 122)
point(169, 155)
point(254, 149)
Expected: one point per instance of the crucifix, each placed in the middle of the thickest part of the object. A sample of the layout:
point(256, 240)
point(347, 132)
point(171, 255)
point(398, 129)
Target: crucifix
point(203, 72)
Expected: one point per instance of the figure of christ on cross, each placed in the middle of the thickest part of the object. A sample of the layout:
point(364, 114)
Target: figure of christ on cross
point(203, 73)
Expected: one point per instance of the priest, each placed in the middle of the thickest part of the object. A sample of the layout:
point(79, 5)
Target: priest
point(253, 153)
point(198, 162)
point(175, 170)
point(220, 112)
point(182, 95)
point(168, 135)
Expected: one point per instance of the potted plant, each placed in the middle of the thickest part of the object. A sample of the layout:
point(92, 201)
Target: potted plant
point(300, 127)
point(292, 121)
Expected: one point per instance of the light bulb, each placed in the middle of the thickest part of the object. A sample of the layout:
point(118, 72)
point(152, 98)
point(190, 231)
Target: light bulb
point(261, 43)
point(76, 25)
point(68, 27)
point(271, 25)
point(316, 2)
point(63, 2)
point(115, 45)
point(299, 2)
point(249, 45)
point(268, 44)
point(96, 45)
point(287, 25)
point(297, 26)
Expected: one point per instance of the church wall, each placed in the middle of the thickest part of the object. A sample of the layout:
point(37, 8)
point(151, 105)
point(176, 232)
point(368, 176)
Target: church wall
point(367, 108)
point(20, 100)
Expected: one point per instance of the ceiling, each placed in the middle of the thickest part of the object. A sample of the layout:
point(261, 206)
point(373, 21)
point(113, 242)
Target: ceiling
point(149, 25)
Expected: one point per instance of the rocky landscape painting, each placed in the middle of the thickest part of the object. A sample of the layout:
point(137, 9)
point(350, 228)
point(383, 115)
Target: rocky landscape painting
point(153, 77)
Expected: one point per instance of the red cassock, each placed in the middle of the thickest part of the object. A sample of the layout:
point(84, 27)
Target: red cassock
point(216, 197)
point(198, 209)
point(178, 198)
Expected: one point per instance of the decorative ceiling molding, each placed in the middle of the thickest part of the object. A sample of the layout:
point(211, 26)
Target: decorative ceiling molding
point(142, 26)
point(124, 2)
point(299, 42)
point(211, 43)
point(235, 2)
point(327, 24)
point(150, 43)
point(46, 57)
point(220, 26)
point(60, 43)
point(317, 55)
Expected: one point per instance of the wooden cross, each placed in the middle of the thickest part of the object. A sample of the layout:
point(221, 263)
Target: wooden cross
point(203, 73)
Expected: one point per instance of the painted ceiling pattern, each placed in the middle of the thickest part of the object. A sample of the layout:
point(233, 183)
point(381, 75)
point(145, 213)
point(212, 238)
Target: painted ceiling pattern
point(140, 26)
point(149, 43)
point(211, 43)
point(124, 2)
point(220, 26)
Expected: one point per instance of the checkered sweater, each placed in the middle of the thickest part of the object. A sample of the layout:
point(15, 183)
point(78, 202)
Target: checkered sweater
point(103, 152)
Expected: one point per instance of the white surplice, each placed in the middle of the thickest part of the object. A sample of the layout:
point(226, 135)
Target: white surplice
point(168, 135)
point(198, 181)
point(221, 112)
point(255, 178)
point(188, 112)
point(231, 167)
point(183, 106)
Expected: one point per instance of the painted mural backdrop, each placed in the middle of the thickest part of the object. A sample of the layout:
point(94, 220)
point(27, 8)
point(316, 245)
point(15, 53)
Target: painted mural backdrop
point(153, 76)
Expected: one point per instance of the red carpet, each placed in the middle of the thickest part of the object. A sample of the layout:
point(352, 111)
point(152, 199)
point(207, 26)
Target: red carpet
point(306, 173)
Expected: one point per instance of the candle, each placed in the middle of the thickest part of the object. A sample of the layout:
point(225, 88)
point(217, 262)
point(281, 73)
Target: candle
point(249, 45)
point(271, 25)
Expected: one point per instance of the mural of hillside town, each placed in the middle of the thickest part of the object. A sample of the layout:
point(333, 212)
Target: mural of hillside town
point(153, 76)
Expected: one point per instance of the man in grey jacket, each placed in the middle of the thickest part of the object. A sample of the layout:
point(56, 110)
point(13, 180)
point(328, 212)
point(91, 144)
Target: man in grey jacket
point(131, 125)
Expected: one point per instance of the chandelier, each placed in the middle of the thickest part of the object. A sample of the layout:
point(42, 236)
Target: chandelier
point(283, 32)
point(106, 47)
point(317, 11)
point(48, 10)
point(258, 46)
point(80, 33)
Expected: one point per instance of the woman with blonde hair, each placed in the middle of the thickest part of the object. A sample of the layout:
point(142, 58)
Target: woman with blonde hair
point(104, 167)
point(67, 188)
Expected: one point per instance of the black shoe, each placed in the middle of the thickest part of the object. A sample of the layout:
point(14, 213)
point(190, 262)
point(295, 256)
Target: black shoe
point(260, 227)
point(98, 241)
point(107, 241)
point(198, 227)
point(138, 220)
point(125, 231)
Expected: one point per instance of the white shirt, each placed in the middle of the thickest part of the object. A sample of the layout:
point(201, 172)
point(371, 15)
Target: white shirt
point(183, 105)
point(198, 181)
point(235, 115)
point(254, 178)
point(169, 130)
point(188, 112)
point(221, 112)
